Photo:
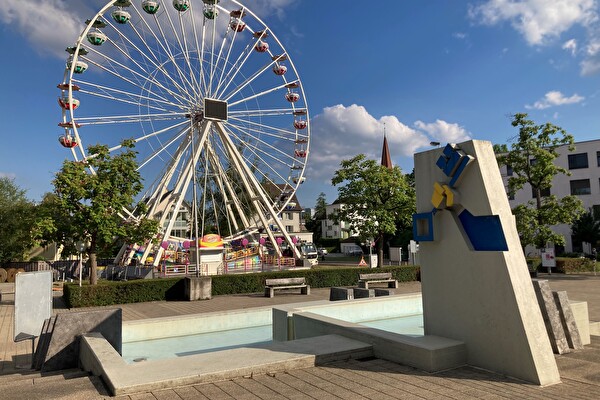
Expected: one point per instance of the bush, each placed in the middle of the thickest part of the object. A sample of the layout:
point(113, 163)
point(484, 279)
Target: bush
point(107, 293)
point(574, 265)
point(110, 292)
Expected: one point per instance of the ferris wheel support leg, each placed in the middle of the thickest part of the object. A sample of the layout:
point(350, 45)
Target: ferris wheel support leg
point(262, 196)
point(182, 185)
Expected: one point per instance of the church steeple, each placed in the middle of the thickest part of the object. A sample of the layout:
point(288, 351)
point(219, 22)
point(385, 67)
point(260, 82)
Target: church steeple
point(386, 160)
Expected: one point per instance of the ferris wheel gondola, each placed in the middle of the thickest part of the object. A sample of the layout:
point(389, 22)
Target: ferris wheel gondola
point(212, 100)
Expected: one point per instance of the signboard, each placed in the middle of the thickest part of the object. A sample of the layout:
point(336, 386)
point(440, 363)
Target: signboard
point(414, 247)
point(548, 259)
point(33, 302)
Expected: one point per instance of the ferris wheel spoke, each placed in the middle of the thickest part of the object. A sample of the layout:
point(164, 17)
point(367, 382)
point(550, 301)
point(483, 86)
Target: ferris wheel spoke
point(159, 64)
point(259, 113)
point(123, 100)
point(258, 154)
point(153, 60)
point(135, 74)
point(194, 84)
point(181, 44)
point(112, 93)
point(169, 52)
point(263, 129)
point(244, 55)
point(257, 95)
point(122, 119)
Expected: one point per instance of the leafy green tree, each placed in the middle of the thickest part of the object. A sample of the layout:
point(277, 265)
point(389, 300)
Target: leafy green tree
point(18, 222)
point(89, 207)
point(376, 198)
point(313, 224)
point(531, 158)
point(587, 228)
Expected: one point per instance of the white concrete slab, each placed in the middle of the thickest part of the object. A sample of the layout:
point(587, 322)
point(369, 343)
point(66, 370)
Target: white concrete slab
point(98, 357)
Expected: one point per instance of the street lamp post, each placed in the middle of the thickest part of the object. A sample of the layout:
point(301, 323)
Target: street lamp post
point(81, 246)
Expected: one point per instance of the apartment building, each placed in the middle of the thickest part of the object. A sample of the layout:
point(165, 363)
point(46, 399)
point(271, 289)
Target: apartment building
point(583, 163)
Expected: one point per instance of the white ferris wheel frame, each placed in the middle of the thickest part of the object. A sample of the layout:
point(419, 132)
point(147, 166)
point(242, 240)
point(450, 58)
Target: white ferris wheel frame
point(192, 142)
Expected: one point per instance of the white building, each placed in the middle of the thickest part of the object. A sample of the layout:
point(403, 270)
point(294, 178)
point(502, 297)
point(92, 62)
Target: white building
point(291, 219)
point(584, 165)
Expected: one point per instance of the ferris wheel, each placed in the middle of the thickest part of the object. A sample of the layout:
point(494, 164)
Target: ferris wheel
point(213, 102)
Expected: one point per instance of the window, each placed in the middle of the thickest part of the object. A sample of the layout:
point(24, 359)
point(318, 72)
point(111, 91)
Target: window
point(580, 186)
point(577, 161)
point(289, 228)
point(596, 210)
point(288, 215)
point(544, 192)
point(598, 158)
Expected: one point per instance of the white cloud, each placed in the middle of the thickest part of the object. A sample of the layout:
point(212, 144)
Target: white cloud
point(341, 132)
point(537, 20)
point(263, 8)
point(48, 25)
point(555, 98)
point(8, 175)
point(571, 46)
point(443, 131)
point(459, 35)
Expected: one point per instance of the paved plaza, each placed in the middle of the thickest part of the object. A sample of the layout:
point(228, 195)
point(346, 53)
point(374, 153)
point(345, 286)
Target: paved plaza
point(369, 378)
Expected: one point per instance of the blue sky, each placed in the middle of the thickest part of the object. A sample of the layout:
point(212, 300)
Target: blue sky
point(429, 70)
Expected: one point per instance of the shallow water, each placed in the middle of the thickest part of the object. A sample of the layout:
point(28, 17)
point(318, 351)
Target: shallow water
point(180, 346)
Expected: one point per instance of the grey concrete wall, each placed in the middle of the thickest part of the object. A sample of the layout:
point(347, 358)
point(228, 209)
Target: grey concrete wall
point(483, 298)
point(429, 353)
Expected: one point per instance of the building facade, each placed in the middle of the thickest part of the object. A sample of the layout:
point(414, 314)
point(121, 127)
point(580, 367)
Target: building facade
point(583, 164)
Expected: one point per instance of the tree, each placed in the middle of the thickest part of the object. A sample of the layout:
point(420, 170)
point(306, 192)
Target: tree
point(18, 222)
point(587, 228)
point(376, 199)
point(313, 224)
point(531, 159)
point(89, 207)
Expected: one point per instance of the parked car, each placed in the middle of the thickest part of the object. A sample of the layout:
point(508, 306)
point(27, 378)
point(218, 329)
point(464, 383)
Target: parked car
point(356, 253)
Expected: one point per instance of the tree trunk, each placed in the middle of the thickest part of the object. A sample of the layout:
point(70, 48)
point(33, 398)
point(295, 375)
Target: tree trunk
point(93, 268)
point(93, 260)
point(380, 250)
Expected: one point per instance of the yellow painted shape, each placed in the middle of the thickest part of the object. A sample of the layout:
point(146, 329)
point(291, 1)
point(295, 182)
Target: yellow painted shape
point(449, 196)
point(438, 195)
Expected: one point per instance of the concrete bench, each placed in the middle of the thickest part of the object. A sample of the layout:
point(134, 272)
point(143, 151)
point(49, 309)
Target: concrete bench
point(364, 280)
point(285, 283)
point(6, 292)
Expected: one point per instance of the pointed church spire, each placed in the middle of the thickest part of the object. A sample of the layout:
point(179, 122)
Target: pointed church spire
point(386, 160)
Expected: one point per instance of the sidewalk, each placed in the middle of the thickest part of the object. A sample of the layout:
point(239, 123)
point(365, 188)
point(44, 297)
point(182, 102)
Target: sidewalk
point(369, 378)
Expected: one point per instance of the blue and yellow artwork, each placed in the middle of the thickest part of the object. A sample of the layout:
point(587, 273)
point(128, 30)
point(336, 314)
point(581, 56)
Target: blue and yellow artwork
point(483, 233)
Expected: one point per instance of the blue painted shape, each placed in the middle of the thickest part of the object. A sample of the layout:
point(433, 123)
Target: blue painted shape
point(463, 163)
point(442, 162)
point(449, 161)
point(484, 232)
point(423, 226)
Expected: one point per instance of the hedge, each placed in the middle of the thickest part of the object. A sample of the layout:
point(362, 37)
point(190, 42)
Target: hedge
point(574, 265)
point(110, 292)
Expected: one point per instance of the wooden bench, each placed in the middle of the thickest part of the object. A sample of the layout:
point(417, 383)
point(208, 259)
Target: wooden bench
point(364, 280)
point(285, 283)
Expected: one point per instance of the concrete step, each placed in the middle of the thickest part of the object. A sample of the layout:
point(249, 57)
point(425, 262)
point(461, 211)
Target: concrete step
point(36, 376)
point(595, 328)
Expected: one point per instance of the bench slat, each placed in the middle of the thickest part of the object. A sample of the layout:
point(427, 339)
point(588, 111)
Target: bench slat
point(381, 275)
point(285, 281)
